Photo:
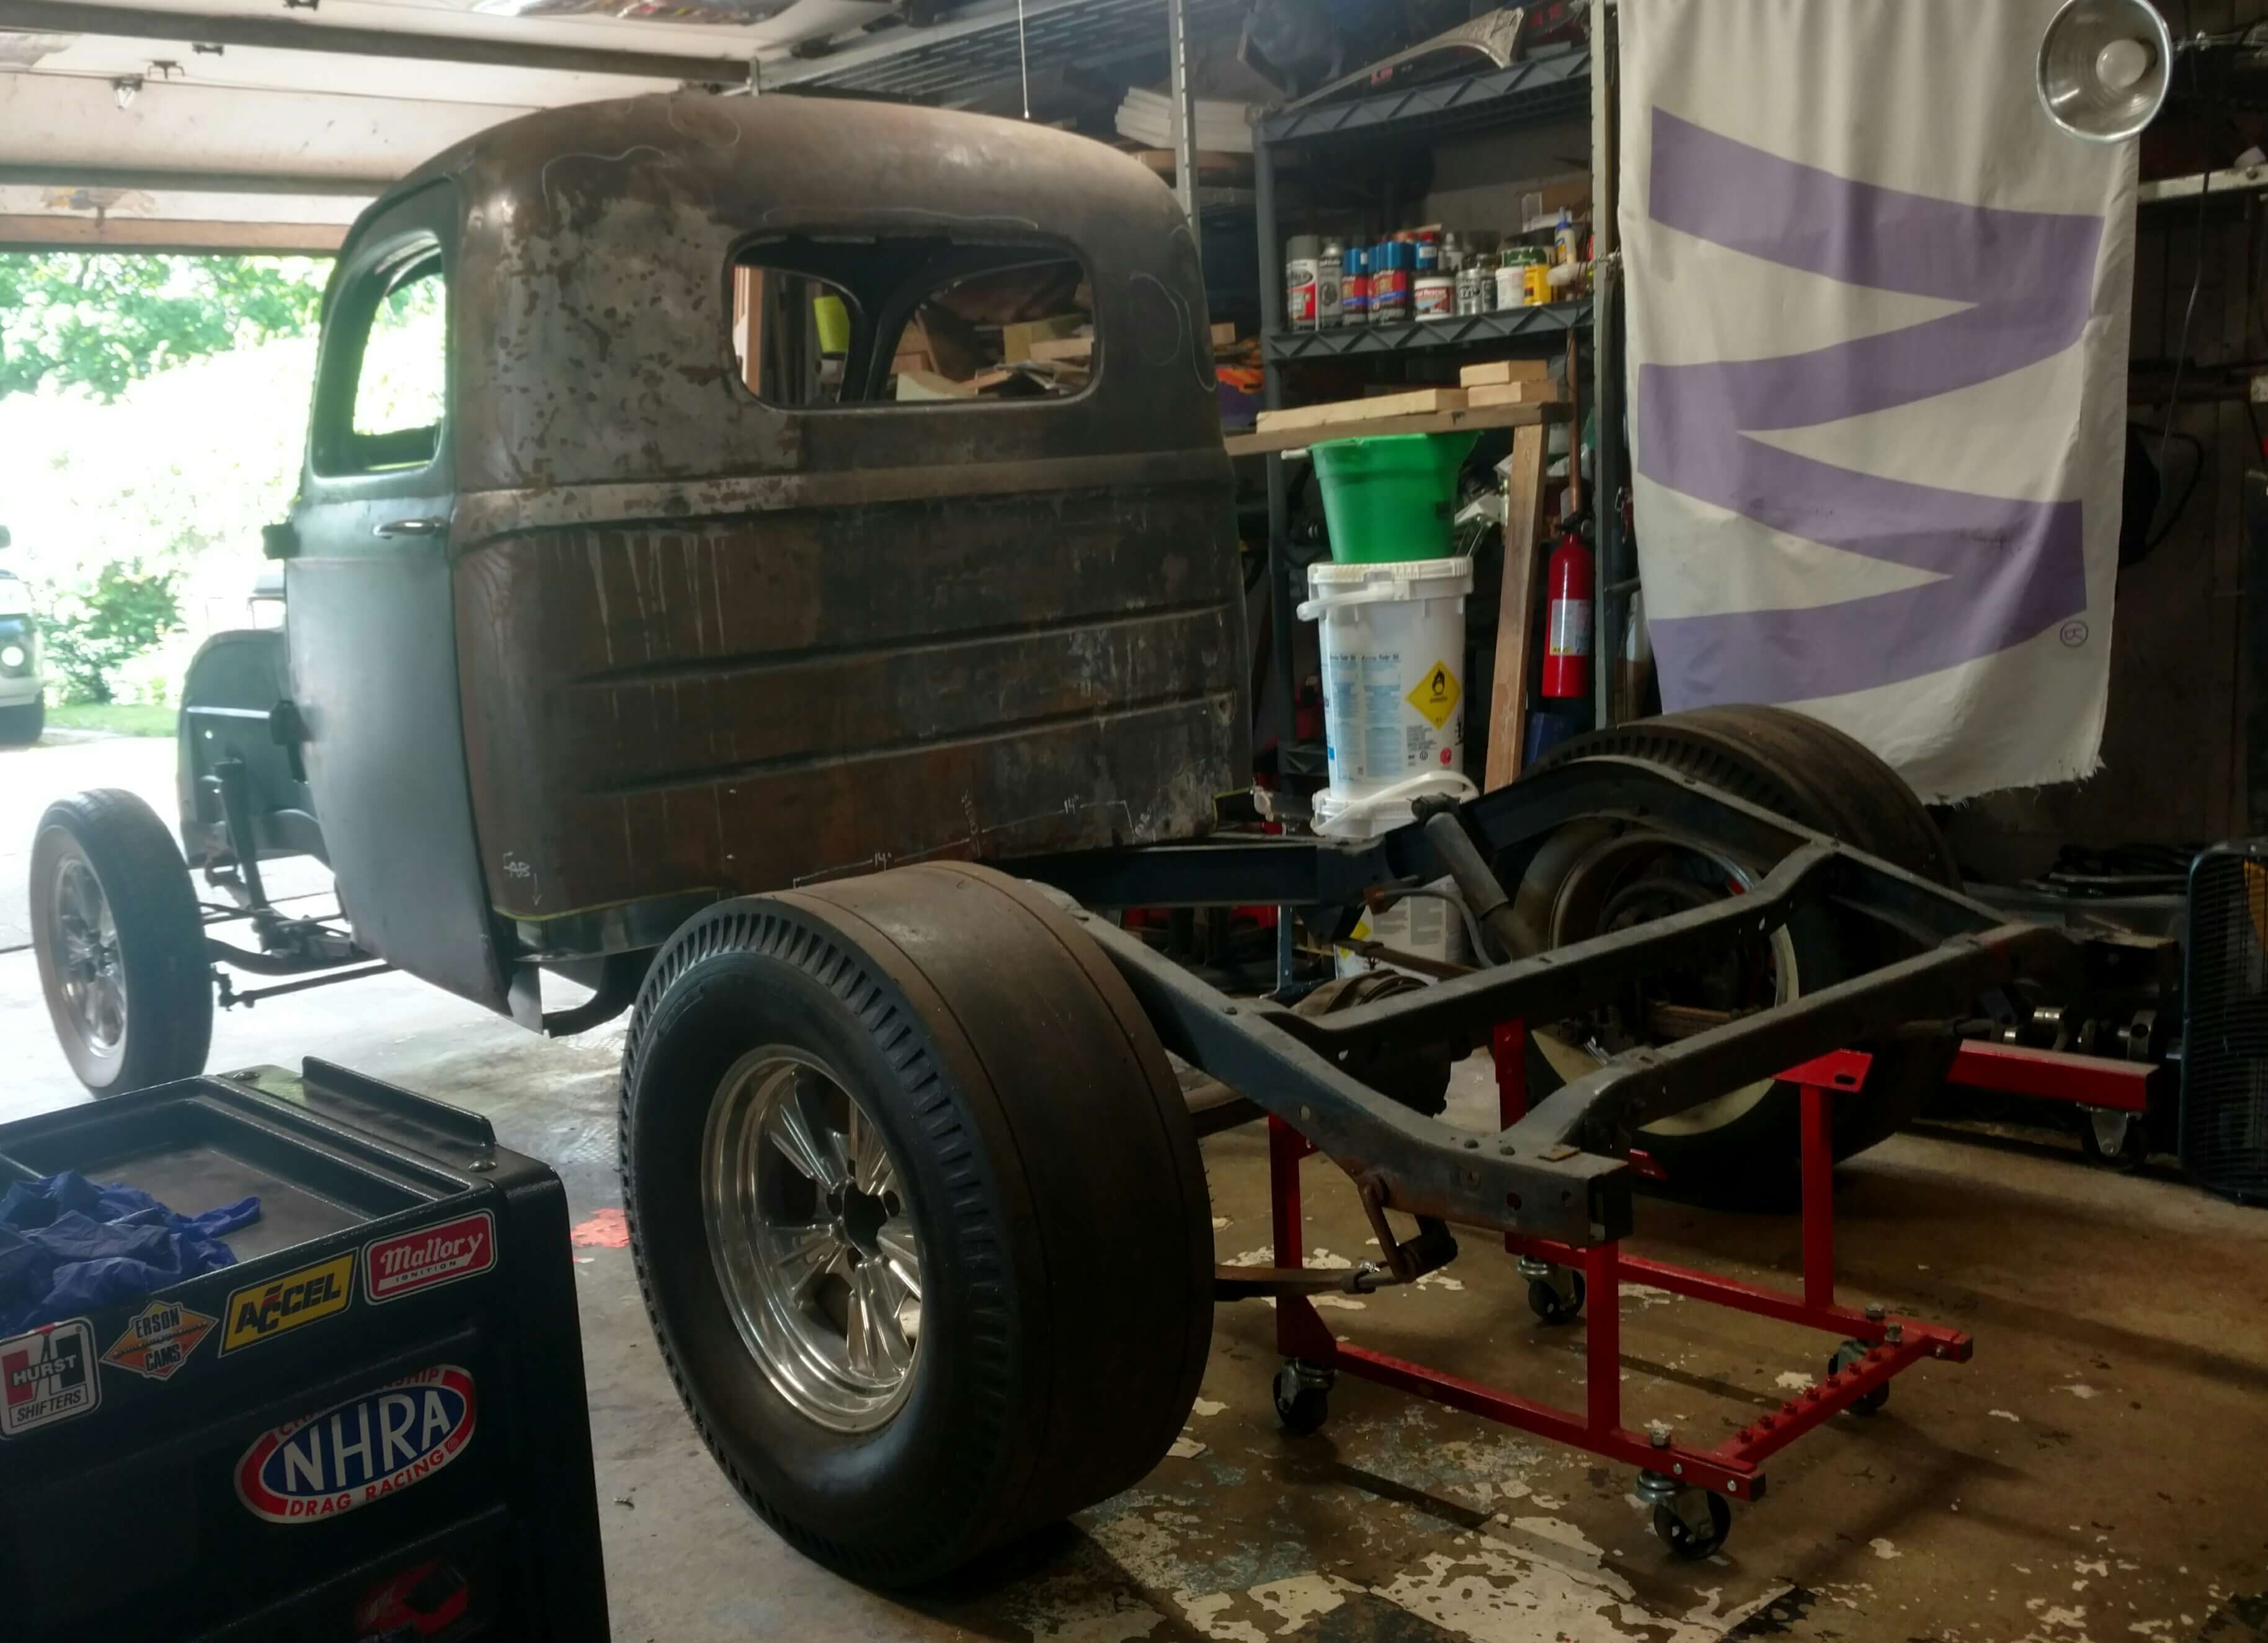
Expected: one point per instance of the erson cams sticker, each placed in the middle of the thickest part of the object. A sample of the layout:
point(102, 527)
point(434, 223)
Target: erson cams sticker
point(396, 1266)
point(48, 1375)
point(159, 1339)
point(358, 1451)
point(259, 1312)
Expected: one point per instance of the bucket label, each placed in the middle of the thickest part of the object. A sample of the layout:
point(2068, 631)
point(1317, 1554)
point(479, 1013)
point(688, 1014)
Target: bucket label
point(1437, 694)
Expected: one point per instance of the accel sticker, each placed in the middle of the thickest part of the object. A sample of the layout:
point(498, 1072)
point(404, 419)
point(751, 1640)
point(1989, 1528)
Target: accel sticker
point(259, 1312)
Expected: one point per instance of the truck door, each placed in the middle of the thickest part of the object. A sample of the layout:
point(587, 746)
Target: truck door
point(372, 624)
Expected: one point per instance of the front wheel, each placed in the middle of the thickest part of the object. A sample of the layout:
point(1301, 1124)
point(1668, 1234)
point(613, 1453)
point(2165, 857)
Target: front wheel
point(917, 1212)
point(120, 942)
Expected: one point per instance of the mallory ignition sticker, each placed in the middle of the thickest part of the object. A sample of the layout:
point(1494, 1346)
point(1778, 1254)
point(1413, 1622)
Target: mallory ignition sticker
point(159, 1339)
point(359, 1451)
point(48, 1375)
point(410, 1261)
point(259, 1312)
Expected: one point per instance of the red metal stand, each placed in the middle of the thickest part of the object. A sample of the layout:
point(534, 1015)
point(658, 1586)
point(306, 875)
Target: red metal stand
point(1889, 1346)
point(2086, 1080)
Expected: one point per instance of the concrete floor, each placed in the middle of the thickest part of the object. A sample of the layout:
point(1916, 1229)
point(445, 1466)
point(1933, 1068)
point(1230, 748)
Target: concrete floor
point(2096, 1474)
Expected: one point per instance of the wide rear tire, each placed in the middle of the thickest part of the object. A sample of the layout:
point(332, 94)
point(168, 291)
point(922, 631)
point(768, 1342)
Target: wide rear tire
point(1742, 1152)
point(1035, 1182)
point(121, 944)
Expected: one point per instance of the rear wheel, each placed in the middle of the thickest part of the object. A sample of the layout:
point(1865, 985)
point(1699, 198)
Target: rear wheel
point(917, 1212)
point(1742, 1148)
point(120, 942)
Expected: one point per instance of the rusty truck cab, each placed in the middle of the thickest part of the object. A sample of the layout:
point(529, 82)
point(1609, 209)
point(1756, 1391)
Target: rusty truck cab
point(652, 592)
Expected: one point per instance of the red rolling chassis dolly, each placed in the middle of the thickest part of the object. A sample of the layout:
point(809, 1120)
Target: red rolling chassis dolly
point(1688, 1486)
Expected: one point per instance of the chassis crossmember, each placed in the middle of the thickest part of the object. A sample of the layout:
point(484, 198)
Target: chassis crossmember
point(1561, 1172)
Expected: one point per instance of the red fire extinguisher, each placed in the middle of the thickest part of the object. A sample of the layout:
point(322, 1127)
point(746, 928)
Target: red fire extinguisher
point(1567, 620)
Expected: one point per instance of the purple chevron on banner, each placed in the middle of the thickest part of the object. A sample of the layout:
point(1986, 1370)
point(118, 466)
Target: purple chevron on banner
point(2005, 569)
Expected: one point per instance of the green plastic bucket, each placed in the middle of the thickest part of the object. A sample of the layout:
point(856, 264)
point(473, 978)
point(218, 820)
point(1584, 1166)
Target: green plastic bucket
point(1390, 496)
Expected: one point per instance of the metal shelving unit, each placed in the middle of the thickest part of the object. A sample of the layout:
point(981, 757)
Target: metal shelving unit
point(1555, 86)
point(1550, 87)
point(1546, 326)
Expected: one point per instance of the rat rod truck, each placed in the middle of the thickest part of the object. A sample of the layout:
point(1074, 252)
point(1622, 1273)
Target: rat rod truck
point(645, 629)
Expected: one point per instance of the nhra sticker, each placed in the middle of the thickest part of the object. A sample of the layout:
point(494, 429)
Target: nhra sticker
point(159, 1339)
point(48, 1375)
point(396, 1266)
point(260, 1311)
point(358, 1451)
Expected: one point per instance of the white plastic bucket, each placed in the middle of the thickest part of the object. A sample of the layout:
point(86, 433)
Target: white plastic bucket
point(1394, 691)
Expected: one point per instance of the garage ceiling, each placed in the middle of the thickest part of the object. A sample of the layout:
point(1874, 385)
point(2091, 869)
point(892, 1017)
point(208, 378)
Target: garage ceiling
point(268, 124)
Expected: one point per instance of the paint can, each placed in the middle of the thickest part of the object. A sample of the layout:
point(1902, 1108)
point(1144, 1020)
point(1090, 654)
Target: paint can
point(1435, 297)
point(1393, 645)
point(1511, 283)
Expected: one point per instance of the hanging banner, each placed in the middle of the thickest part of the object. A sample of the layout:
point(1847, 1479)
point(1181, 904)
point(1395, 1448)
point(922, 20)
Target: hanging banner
point(1877, 320)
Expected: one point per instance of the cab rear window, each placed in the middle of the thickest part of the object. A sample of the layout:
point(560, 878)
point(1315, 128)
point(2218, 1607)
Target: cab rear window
point(820, 321)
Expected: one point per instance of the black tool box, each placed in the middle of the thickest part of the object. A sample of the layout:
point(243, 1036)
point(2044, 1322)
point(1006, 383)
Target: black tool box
point(371, 1427)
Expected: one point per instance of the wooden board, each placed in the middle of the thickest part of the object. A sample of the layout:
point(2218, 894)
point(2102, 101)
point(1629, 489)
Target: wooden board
point(1524, 560)
point(1078, 347)
point(1418, 402)
point(1468, 420)
point(1224, 334)
point(1504, 371)
point(1515, 393)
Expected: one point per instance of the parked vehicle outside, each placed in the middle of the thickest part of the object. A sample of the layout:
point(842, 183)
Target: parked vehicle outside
point(23, 683)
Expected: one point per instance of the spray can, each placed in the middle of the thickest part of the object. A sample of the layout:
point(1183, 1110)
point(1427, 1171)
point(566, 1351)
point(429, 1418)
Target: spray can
point(1567, 620)
point(1301, 253)
point(1354, 287)
point(1329, 285)
point(1390, 282)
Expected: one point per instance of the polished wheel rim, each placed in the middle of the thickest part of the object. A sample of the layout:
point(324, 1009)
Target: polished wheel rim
point(809, 1230)
point(89, 976)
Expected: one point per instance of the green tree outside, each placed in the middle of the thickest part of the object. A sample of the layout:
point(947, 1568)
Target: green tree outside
point(152, 409)
point(100, 321)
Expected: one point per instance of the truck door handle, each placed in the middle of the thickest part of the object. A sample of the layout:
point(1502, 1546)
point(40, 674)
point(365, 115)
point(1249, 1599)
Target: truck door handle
point(409, 527)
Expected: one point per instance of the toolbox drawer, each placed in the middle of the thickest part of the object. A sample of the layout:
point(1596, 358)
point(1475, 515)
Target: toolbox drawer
point(373, 1427)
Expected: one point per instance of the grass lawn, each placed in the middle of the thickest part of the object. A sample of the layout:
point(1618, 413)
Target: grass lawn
point(119, 717)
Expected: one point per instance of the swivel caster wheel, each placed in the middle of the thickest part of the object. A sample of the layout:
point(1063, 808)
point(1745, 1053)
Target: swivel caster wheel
point(1303, 1397)
point(2117, 1141)
point(1554, 1294)
point(1693, 1523)
point(1850, 1355)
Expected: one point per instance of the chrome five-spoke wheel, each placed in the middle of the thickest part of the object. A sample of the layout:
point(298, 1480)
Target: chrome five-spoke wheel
point(809, 1231)
point(89, 976)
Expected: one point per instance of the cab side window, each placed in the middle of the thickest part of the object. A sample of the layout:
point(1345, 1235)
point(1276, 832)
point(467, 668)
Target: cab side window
point(399, 372)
